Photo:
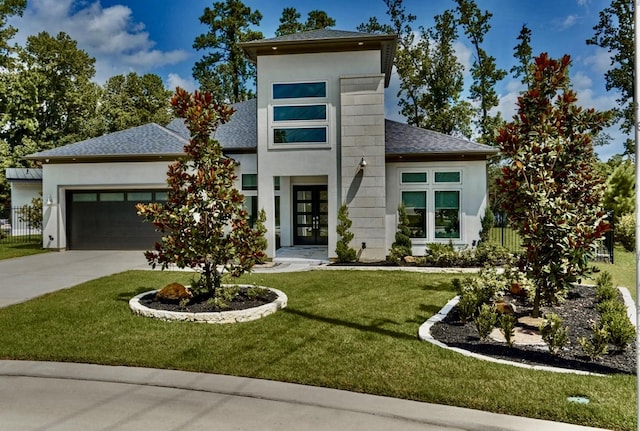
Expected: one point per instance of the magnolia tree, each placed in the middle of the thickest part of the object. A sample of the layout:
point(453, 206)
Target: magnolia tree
point(554, 194)
point(204, 222)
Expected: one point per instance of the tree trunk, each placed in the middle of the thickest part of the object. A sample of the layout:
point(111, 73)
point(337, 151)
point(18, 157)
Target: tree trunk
point(535, 313)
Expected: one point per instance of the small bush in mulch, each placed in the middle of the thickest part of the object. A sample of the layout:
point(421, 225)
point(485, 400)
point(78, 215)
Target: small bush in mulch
point(231, 297)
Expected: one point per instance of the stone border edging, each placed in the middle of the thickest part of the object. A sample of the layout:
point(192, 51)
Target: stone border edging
point(424, 333)
point(221, 317)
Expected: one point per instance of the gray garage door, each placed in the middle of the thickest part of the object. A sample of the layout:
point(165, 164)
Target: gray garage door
point(107, 220)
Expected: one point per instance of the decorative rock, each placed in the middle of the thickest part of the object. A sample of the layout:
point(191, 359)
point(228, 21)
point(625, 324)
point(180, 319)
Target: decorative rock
point(504, 307)
point(531, 322)
point(409, 259)
point(517, 290)
point(174, 292)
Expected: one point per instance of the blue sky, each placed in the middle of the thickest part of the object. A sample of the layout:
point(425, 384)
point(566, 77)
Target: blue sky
point(156, 36)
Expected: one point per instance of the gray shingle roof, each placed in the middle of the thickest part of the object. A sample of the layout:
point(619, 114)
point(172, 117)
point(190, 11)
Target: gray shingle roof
point(241, 133)
point(321, 34)
point(148, 140)
point(23, 174)
point(401, 139)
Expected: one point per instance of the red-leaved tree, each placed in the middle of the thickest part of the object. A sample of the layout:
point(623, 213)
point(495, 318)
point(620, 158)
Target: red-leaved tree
point(552, 193)
point(204, 222)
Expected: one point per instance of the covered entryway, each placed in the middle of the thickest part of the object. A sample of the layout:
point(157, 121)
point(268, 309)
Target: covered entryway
point(107, 219)
point(310, 215)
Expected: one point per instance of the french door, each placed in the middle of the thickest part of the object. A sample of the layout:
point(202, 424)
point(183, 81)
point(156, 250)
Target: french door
point(311, 218)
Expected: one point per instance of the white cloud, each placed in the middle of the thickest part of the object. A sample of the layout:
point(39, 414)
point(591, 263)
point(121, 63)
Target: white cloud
point(600, 61)
point(176, 80)
point(110, 35)
point(569, 21)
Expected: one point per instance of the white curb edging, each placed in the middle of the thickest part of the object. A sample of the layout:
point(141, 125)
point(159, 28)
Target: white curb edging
point(221, 317)
point(424, 333)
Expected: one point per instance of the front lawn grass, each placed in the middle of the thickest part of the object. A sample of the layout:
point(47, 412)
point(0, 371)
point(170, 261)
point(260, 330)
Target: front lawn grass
point(9, 250)
point(353, 330)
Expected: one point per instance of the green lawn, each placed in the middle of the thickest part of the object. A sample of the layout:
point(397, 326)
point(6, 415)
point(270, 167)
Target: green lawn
point(353, 330)
point(624, 269)
point(13, 249)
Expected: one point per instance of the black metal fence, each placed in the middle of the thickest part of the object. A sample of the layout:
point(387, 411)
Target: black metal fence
point(22, 225)
point(505, 235)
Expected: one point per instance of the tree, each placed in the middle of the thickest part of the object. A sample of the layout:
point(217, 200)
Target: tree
point(554, 197)
point(620, 194)
point(290, 24)
point(48, 99)
point(484, 70)
point(524, 54)
point(431, 79)
point(402, 245)
point(134, 100)
point(224, 71)
point(204, 223)
point(8, 8)
point(615, 32)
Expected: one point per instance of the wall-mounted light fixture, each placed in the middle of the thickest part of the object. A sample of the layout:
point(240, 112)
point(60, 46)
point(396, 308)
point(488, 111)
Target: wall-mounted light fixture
point(363, 163)
point(49, 201)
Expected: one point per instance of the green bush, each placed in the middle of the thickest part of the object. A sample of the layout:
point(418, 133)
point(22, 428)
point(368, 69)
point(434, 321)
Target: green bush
point(402, 245)
point(485, 321)
point(604, 288)
point(555, 336)
point(344, 251)
point(442, 254)
point(468, 305)
point(596, 346)
point(488, 253)
point(621, 331)
point(507, 327)
point(625, 231)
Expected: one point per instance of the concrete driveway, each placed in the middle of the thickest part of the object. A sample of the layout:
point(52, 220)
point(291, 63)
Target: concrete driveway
point(26, 277)
point(69, 396)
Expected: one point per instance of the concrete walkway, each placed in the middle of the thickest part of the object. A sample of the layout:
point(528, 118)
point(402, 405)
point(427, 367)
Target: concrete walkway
point(67, 396)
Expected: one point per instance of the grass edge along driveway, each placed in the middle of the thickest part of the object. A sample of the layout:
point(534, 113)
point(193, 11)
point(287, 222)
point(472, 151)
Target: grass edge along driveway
point(352, 330)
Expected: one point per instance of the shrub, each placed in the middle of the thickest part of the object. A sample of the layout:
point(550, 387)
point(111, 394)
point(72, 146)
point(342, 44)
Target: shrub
point(402, 245)
point(486, 222)
point(468, 305)
point(485, 320)
point(596, 346)
point(626, 231)
point(555, 336)
point(621, 331)
point(441, 254)
point(488, 253)
point(604, 288)
point(344, 251)
point(257, 292)
point(507, 327)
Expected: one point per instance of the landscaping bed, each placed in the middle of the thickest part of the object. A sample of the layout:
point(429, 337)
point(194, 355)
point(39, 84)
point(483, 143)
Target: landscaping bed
point(578, 312)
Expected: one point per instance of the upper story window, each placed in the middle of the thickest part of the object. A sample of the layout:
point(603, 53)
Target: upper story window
point(299, 115)
point(448, 177)
point(299, 90)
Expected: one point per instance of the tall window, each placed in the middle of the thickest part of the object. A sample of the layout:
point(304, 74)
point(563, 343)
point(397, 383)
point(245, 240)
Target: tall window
point(415, 204)
point(447, 214)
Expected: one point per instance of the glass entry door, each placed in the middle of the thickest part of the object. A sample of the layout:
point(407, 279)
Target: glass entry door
point(311, 219)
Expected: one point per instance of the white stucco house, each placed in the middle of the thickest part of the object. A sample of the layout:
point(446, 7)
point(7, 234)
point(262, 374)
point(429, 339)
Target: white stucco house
point(314, 138)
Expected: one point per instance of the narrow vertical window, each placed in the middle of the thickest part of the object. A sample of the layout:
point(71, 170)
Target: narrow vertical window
point(447, 214)
point(415, 204)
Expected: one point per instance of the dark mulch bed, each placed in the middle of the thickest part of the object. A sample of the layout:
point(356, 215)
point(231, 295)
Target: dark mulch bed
point(202, 305)
point(577, 312)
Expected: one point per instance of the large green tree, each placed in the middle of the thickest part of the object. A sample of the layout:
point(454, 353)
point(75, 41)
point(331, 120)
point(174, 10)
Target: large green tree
point(615, 32)
point(524, 54)
point(290, 21)
point(132, 100)
point(484, 70)
point(555, 198)
point(223, 70)
point(48, 98)
point(431, 79)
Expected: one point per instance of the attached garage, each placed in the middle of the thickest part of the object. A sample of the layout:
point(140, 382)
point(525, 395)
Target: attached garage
point(107, 219)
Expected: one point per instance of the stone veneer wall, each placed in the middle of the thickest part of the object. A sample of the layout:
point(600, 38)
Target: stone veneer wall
point(362, 134)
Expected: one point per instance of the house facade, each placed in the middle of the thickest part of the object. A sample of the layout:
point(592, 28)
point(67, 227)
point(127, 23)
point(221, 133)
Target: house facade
point(314, 138)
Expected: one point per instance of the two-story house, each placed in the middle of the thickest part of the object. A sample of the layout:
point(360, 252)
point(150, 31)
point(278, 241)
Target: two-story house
point(315, 138)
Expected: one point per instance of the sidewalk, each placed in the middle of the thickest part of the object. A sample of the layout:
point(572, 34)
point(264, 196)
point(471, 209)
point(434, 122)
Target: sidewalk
point(64, 396)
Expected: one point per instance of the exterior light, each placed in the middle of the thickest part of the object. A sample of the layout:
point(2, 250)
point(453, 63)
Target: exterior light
point(363, 163)
point(49, 201)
